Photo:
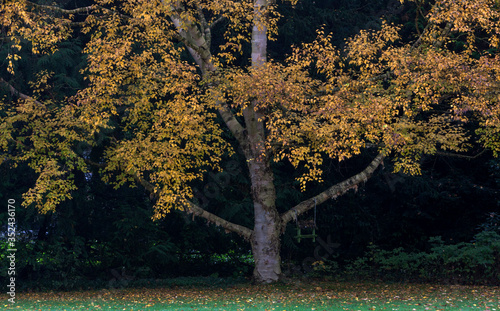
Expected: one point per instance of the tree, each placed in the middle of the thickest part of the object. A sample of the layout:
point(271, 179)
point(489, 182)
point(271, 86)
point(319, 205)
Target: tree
point(162, 99)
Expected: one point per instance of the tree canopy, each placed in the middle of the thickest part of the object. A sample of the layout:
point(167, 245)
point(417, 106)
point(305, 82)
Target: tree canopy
point(166, 101)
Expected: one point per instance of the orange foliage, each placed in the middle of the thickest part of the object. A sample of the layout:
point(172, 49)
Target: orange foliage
point(405, 99)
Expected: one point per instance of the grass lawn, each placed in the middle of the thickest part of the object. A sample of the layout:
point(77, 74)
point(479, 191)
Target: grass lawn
point(317, 296)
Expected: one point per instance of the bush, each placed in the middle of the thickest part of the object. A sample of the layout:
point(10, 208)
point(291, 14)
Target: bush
point(476, 262)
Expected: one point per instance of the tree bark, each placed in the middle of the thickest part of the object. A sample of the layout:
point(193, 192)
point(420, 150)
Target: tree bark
point(266, 234)
point(265, 239)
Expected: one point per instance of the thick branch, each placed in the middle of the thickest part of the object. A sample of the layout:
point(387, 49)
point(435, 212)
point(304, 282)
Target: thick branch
point(196, 43)
point(205, 27)
point(61, 10)
point(333, 192)
point(198, 211)
point(215, 22)
point(85, 10)
point(199, 47)
point(15, 92)
point(146, 184)
point(193, 49)
point(461, 156)
point(444, 33)
point(232, 124)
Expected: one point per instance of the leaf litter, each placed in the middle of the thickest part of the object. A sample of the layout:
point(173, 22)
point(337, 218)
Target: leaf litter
point(283, 297)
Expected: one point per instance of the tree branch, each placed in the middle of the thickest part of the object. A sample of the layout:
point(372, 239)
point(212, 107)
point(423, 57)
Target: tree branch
point(193, 49)
point(461, 156)
point(196, 43)
point(444, 33)
point(232, 124)
point(199, 48)
point(61, 10)
point(198, 211)
point(417, 43)
point(85, 10)
point(146, 184)
point(215, 22)
point(204, 25)
point(15, 92)
point(333, 192)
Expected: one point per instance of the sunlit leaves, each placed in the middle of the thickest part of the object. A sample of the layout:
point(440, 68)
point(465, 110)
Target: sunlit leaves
point(45, 137)
point(407, 99)
point(139, 79)
point(52, 187)
point(365, 49)
point(157, 104)
point(469, 17)
point(42, 28)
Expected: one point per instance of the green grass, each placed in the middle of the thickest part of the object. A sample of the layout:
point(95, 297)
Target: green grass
point(316, 296)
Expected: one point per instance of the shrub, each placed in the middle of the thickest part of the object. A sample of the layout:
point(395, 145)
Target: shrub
point(476, 262)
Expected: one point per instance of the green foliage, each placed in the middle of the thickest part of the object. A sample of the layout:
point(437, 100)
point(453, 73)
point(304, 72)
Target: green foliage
point(475, 262)
point(79, 244)
point(327, 267)
point(492, 224)
point(450, 199)
point(234, 263)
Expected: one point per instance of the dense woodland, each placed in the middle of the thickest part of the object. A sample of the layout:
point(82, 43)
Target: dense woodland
point(137, 138)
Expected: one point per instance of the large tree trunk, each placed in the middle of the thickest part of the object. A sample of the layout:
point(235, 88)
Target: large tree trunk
point(265, 239)
point(267, 227)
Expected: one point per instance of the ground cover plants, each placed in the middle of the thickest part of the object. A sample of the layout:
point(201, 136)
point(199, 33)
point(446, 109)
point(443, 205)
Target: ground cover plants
point(294, 295)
